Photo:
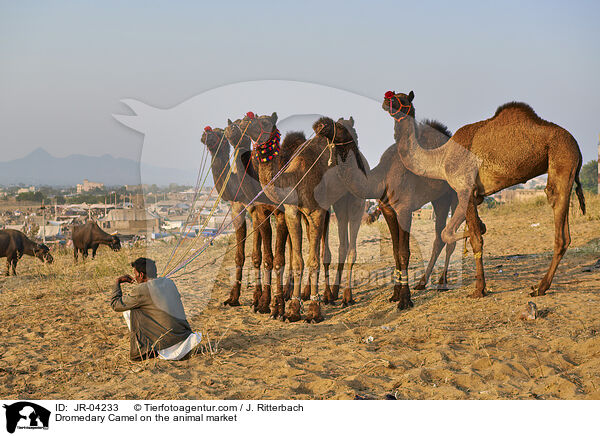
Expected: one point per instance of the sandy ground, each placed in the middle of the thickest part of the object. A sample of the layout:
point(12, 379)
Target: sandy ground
point(61, 340)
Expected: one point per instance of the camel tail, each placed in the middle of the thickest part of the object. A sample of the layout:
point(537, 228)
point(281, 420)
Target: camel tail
point(579, 190)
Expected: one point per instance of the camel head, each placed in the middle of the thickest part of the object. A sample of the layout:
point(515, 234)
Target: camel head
point(236, 137)
point(341, 133)
point(42, 252)
point(258, 128)
point(399, 105)
point(215, 140)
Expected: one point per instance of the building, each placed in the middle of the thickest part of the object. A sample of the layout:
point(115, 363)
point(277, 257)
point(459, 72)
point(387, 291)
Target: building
point(26, 190)
point(130, 222)
point(510, 195)
point(87, 186)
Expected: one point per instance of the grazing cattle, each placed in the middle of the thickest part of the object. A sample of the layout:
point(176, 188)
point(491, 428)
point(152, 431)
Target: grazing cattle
point(14, 244)
point(90, 235)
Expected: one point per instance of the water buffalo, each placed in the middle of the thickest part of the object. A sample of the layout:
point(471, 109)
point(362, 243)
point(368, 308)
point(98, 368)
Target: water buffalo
point(90, 235)
point(14, 244)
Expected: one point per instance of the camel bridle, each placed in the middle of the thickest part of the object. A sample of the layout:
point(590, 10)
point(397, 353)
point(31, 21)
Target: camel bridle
point(404, 114)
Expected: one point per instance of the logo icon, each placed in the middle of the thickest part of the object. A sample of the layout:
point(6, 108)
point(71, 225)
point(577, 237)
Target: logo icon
point(26, 415)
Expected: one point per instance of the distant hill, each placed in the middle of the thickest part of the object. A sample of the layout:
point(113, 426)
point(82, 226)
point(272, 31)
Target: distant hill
point(41, 168)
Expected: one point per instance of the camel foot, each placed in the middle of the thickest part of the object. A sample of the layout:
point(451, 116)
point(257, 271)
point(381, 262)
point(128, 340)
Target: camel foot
point(405, 302)
point(478, 293)
point(306, 292)
point(347, 299)
point(314, 315)
point(537, 292)
point(265, 299)
point(256, 296)
point(231, 301)
point(396, 295)
point(293, 311)
point(278, 308)
point(421, 285)
point(335, 291)
point(328, 296)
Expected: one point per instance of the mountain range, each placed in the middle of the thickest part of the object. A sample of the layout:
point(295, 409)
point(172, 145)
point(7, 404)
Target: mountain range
point(41, 168)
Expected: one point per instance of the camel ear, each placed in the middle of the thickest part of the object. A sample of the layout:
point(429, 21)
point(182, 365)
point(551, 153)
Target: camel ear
point(351, 121)
point(229, 122)
point(274, 118)
point(411, 95)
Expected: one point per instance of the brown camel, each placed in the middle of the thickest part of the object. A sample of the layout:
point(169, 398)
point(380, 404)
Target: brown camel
point(399, 191)
point(220, 148)
point(251, 189)
point(301, 185)
point(485, 157)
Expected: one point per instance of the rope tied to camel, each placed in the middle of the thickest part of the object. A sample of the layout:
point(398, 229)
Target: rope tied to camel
point(400, 278)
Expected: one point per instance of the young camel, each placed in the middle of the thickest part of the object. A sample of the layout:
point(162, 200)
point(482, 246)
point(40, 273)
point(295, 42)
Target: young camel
point(301, 186)
point(485, 157)
point(219, 148)
point(400, 193)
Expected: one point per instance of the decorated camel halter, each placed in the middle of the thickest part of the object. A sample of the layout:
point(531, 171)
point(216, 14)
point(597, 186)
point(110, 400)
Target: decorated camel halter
point(389, 95)
point(266, 151)
point(209, 131)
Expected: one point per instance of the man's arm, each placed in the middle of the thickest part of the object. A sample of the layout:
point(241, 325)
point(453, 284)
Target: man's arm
point(120, 303)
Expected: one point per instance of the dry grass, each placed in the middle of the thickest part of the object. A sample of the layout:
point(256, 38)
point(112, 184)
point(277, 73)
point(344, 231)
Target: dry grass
point(61, 340)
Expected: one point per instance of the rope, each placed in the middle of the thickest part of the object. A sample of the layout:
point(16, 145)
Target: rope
point(268, 216)
point(193, 241)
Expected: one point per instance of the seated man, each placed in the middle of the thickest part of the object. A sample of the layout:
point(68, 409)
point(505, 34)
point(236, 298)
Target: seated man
point(154, 314)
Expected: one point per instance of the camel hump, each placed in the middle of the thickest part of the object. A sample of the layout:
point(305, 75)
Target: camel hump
point(440, 127)
point(292, 141)
point(516, 105)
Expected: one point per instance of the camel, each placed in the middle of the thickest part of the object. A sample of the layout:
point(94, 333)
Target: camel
point(219, 148)
point(294, 175)
point(482, 158)
point(252, 190)
point(399, 191)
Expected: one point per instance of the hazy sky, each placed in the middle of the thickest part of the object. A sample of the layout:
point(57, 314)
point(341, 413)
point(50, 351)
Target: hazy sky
point(65, 66)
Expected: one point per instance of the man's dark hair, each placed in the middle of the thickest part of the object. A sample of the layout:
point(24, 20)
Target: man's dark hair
point(146, 266)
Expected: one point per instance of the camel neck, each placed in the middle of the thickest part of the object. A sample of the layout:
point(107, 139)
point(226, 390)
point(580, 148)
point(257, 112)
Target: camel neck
point(418, 160)
point(367, 184)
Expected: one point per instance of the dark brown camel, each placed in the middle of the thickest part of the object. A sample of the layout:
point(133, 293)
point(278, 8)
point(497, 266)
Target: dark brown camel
point(220, 148)
point(302, 188)
point(400, 193)
point(251, 189)
point(485, 157)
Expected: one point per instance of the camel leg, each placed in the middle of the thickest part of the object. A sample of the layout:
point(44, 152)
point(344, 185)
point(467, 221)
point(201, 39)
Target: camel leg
point(239, 212)
point(477, 245)
point(355, 222)
point(441, 207)
point(14, 265)
point(316, 223)
point(389, 214)
point(8, 263)
point(401, 276)
point(342, 221)
point(278, 299)
point(84, 254)
point(558, 192)
point(264, 216)
point(306, 289)
point(256, 257)
point(294, 225)
point(327, 294)
point(75, 254)
point(289, 284)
